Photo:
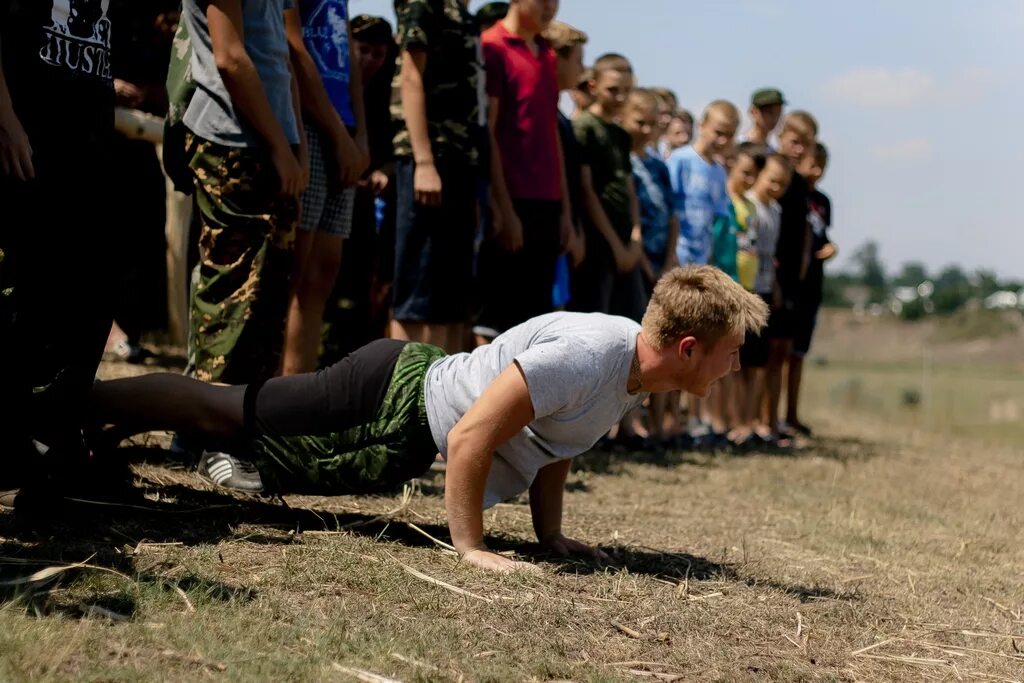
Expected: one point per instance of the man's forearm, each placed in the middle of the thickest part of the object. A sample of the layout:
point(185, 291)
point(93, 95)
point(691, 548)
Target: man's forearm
point(316, 103)
point(6, 103)
point(673, 236)
point(414, 106)
point(634, 202)
point(563, 177)
point(465, 479)
point(239, 74)
point(355, 89)
point(546, 494)
point(499, 189)
point(297, 108)
point(599, 219)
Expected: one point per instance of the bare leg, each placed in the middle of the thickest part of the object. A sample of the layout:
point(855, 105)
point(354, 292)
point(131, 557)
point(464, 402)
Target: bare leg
point(796, 371)
point(317, 262)
point(659, 403)
point(170, 402)
point(778, 350)
point(743, 399)
point(721, 398)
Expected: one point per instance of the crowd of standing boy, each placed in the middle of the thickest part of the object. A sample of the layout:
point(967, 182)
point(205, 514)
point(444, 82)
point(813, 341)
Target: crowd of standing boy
point(351, 182)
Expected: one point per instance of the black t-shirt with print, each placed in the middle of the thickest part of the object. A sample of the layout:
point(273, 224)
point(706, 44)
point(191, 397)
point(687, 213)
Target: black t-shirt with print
point(56, 59)
point(819, 215)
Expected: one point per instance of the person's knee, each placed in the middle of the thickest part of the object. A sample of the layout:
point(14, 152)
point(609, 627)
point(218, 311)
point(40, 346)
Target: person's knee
point(221, 414)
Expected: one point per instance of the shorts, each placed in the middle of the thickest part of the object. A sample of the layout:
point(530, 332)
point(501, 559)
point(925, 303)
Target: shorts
point(754, 352)
point(433, 279)
point(324, 208)
point(592, 284)
point(806, 321)
point(629, 295)
point(518, 286)
point(782, 321)
point(358, 426)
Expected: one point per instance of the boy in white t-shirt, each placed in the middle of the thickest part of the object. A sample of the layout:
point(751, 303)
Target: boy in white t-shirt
point(508, 417)
point(764, 224)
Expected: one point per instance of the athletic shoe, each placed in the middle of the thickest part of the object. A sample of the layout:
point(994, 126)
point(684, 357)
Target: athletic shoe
point(222, 469)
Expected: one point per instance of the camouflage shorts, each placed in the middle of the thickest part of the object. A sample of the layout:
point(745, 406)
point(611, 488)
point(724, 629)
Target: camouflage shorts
point(240, 287)
point(374, 457)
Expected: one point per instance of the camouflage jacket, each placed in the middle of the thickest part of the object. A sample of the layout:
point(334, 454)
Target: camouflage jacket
point(180, 84)
point(453, 81)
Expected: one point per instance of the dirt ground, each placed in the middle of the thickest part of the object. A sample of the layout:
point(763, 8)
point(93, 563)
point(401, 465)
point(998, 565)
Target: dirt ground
point(874, 553)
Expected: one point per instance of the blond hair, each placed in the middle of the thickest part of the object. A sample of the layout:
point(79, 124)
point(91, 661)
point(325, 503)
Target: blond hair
point(641, 97)
point(723, 107)
point(800, 122)
point(564, 38)
point(666, 96)
point(612, 61)
point(703, 302)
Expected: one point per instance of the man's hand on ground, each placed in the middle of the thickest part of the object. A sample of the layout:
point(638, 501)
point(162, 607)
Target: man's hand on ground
point(492, 562)
point(561, 545)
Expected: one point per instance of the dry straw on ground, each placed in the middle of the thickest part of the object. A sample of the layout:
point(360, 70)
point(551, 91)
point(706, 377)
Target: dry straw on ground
point(875, 555)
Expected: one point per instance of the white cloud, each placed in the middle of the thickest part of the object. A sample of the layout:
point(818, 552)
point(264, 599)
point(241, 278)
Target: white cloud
point(891, 88)
point(911, 149)
point(882, 87)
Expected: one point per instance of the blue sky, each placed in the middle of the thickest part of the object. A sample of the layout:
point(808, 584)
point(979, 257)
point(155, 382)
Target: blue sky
point(921, 104)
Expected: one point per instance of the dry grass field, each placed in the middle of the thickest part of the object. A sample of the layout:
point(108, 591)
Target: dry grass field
point(884, 550)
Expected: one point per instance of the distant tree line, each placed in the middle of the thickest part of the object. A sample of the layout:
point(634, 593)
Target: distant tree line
point(864, 282)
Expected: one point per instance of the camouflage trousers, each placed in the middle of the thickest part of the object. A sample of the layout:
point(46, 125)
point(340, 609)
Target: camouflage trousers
point(240, 286)
point(394, 447)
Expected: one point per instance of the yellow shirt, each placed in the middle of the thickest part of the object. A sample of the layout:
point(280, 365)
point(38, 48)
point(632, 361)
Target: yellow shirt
point(746, 257)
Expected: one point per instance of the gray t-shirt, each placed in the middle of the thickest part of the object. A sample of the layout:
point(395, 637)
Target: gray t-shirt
point(576, 367)
point(765, 224)
point(211, 114)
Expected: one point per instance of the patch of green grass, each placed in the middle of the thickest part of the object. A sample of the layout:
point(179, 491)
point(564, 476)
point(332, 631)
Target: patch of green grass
point(986, 402)
point(968, 325)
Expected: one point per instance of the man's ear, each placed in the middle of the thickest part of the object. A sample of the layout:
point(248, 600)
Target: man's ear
point(686, 345)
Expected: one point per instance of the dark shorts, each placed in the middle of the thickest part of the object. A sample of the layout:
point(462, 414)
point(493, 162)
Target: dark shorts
point(434, 246)
point(806, 321)
point(592, 284)
point(754, 352)
point(629, 295)
point(782, 321)
point(359, 426)
point(518, 286)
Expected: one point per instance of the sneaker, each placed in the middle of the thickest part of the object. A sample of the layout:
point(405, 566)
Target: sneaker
point(129, 353)
point(7, 499)
point(222, 469)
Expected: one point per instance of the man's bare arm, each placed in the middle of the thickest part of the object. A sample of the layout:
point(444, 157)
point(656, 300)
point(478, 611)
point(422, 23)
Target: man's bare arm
point(426, 179)
point(245, 87)
point(624, 260)
point(15, 149)
point(355, 89)
point(503, 409)
point(509, 230)
point(546, 495)
point(316, 103)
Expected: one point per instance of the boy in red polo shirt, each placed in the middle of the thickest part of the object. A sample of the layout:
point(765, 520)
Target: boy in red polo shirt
point(532, 222)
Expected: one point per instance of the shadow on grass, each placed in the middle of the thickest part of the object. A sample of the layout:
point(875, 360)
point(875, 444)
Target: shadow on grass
point(105, 535)
point(106, 587)
point(840, 449)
